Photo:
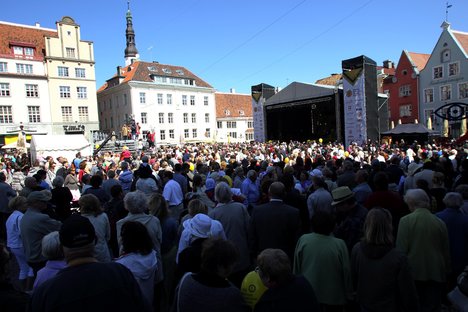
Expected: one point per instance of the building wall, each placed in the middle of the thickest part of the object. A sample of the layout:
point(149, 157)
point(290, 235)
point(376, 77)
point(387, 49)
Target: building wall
point(148, 104)
point(81, 59)
point(243, 129)
point(405, 77)
point(438, 59)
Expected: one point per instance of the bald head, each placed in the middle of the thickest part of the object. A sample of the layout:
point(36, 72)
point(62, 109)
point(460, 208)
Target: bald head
point(276, 190)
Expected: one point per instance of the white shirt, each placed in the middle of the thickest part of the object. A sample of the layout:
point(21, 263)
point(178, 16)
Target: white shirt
point(173, 193)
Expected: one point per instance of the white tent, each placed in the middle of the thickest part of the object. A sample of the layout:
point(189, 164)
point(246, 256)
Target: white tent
point(13, 145)
point(59, 145)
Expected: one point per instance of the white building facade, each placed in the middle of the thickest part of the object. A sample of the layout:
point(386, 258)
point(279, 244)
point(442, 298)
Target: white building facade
point(234, 119)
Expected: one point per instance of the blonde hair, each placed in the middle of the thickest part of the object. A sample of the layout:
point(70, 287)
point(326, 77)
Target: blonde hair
point(378, 229)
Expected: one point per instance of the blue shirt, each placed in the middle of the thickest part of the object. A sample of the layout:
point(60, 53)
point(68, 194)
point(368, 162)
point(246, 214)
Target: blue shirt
point(250, 191)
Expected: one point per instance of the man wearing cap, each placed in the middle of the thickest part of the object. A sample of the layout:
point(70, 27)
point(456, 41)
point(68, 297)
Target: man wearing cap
point(350, 216)
point(34, 226)
point(85, 284)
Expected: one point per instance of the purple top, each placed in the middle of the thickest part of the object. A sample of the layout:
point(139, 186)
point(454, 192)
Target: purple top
point(51, 268)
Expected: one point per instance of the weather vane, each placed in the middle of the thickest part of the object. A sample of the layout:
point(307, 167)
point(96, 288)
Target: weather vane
point(447, 6)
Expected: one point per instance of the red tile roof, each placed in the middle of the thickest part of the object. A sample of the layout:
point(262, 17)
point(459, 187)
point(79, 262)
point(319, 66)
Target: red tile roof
point(419, 59)
point(462, 38)
point(26, 35)
point(234, 103)
point(330, 80)
point(143, 71)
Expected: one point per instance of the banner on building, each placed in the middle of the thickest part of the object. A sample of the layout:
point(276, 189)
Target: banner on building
point(354, 106)
point(258, 116)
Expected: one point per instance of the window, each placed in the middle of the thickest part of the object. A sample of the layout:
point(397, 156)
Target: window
point(454, 69)
point(194, 133)
point(24, 68)
point(80, 73)
point(161, 118)
point(428, 95)
point(67, 114)
point(220, 124)
point(185, 117)
point(24, 51)
point(205, 101)
point(170, 118)
point(82, 92)
point(5, 115)
point(207, 117)
point(194, 117)
point(231, 124)
point(70, 52)
point(445, 93)
point(83, 113)
point(208, 132)
point(3, 67)
point(186, 133)
point(169, 99)
point(65, 92)
point(171, 133)
point(144, 118)
point(32, 90)
point(463, 90)
point(4, 89)
point(192, 100)
point(437, 72)
point(249, 124)
point(160, 98)
point(162, 134)
point(233, 135)
point(249, 136)
point(63, 71)
point(405, 90)
point(405, 110)
point(184, 100)
point(34, 114)
point(142, 97)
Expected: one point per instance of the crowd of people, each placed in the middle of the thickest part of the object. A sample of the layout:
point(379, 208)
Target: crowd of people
point(298, 226)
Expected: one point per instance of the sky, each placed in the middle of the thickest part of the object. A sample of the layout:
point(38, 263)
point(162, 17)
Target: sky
point(236, 44)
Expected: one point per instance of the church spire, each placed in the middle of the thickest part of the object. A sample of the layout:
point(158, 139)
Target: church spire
point(131, 52)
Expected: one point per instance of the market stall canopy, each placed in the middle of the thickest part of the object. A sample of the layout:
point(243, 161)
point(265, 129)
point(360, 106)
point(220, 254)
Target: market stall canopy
point(59, 145)
point(410, 128)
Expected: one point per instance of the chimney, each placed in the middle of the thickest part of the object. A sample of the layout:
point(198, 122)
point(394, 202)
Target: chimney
point(37, 25)
point(118, 71)
point(232, 90)
point(388, 64)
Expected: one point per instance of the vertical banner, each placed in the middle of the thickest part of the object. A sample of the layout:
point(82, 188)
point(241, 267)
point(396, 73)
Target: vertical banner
point(258, 102)
point(354, 106)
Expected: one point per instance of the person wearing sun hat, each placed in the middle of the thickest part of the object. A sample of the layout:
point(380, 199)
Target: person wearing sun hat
point(85, 284)
point(350, 216)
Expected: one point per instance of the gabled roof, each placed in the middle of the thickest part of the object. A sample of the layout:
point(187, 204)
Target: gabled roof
point(331, 80)
point(234, 103)
point(144, 72)
point(462, 38)
point(23, 34)
point(297, 91)
point(419, 60)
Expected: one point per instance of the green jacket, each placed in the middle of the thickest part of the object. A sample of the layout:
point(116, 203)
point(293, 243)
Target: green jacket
point(324, 262)
point(424, 239)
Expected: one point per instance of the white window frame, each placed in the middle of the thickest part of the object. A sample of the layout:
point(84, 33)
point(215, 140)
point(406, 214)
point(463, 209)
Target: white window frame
point(219, 124)
point(67, 115)
point(161, 118)
point(207, 117)
point(438, 72)
point(405, 110)
point(171, 134)
point(162, 135)
point(194, 117)
point(5, 89)
point(160, 98)
point(3, 67)
point(186, 133)
point(194, 133)
point(205, 100)
point(463, 90)
point(185, 117)
point(192, 100)
point(6, 114)
point(429, 96)
point(80, 72)
point(70, 52)
point(208, 132)
point(446, 92)
point(83, 113)
point(32, 90)
point(170, 118)
point(405, 90)
point(24, 68)
point(63, 71)
point(184, 100)
point(169, 99)
point(64, 92)
point(144, 118)
point(142, 98)
point(82, 92)
point(34, 114)
point(455, 70)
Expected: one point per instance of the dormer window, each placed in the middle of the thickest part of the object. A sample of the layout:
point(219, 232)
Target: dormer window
point(241, 113)
point(180, 72)
point(167, 71)
point(227, 112)
point(26, 52)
